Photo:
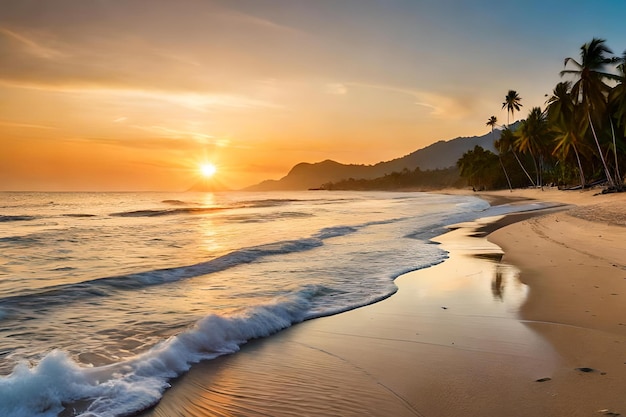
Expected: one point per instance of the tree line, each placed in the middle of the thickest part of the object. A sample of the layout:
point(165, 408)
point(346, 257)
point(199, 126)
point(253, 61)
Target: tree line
point(427, 180)
point(578, 139)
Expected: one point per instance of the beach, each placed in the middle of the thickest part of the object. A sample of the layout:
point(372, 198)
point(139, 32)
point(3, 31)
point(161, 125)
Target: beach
point(527, 320)
point(574, 265)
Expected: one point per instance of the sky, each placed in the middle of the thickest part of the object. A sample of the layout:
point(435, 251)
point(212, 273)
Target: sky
point(135, 95)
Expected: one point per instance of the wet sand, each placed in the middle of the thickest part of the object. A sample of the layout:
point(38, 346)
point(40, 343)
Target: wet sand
point(575, 265)
point(463, 338)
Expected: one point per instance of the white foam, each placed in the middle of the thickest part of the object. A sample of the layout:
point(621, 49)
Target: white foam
point(137, 383)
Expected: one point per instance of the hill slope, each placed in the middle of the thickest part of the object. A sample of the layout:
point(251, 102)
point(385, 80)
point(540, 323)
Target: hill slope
point(442, 154)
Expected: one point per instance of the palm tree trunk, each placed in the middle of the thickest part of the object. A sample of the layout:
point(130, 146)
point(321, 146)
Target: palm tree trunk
point(523, 169)
point(609, 178)
point(536, 170)
point(618, 178)
point(501, 164)
point(580, 168)
point(541, 171)
point(505, 173)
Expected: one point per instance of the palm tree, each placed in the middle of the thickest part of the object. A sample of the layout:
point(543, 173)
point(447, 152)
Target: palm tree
point(506, 144)
point(617, 96)
point(617, 103)
point(512, 104)
point(477, 166)
point(561, 104)
point(562, 114)
point(618, 176)
point(493, 120)
point(590, 89)
point(533, 134)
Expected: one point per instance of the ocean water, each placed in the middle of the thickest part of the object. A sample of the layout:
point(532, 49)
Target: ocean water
point(105, 297)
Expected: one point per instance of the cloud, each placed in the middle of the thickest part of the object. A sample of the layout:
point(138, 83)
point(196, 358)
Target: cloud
point(337, 89)
point(154, 143)
point(204, 102)
point(179, 134)
point(438, 103)
point(434, 109)
point(180, 46)
point(149, 98)
point(31, 46)
point(24, 125)
point(238, 17)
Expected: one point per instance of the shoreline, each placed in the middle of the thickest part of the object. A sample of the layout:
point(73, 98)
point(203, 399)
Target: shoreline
point(466, 346)
point(576, 301)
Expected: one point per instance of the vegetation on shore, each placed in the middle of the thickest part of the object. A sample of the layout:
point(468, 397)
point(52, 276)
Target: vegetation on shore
point(578, 139)
point(417, 179)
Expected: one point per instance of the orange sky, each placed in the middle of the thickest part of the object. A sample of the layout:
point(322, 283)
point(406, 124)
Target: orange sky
point(136, 94)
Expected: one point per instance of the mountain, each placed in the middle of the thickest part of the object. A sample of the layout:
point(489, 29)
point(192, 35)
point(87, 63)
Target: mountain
point(442, 154)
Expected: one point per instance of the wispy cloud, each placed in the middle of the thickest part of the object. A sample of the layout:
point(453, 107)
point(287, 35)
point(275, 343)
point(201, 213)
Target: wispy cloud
point(255, 21)
point(31, 46)
point(204, 102)
point(438, 104)
point(337, 89)
point(178, 134)
point(201, 102)
point(153, 142)
point(434, 109)
point(24, 125)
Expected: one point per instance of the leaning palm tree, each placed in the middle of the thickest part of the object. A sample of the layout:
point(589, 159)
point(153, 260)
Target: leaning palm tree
point(506, 144)
point(617, 103)
point(562, 114)
point(493, 120)
point(590, 89)
point(512, 104)
point(617, 96)
point(532, 138)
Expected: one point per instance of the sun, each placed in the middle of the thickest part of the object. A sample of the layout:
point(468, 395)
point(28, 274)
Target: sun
point(208, 170)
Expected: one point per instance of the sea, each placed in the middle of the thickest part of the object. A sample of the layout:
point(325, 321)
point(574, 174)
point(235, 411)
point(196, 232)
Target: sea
point(105, 298)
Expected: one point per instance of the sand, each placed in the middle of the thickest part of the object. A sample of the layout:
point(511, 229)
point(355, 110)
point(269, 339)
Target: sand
point(575, 265)
point(481, 334)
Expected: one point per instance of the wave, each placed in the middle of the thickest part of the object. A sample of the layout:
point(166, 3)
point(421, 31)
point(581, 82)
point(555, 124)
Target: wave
point(18, 218)
point(66, 294)
point(166, 212)
point(265, 218)
point(184, 207)
point(99, 287)
point(28, 240)
point(130, 386)
point(269, 202)
point(176, 202)
point(78, 215)
point(336, 231)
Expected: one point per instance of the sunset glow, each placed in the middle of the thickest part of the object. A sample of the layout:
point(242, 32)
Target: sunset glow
point(208, 170)
point(123, 95)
